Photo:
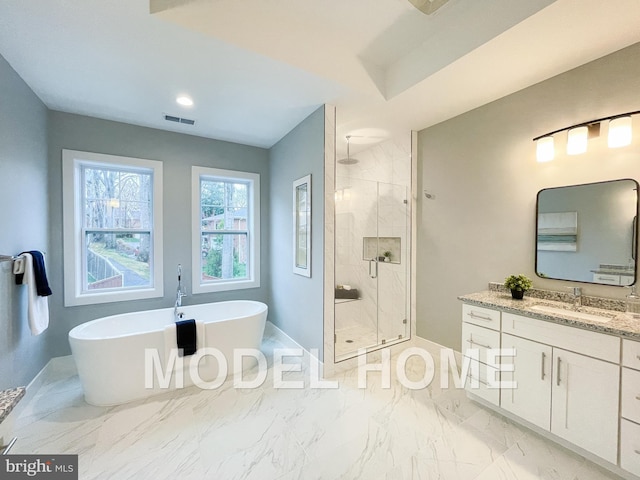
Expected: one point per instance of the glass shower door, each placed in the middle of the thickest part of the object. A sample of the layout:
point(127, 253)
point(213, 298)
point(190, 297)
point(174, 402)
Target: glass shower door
point(372, 259)
point(393, 271)
point(356, 318)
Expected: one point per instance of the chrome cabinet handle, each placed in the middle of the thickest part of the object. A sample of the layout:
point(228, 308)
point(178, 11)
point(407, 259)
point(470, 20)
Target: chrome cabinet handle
point(476, 343)
point(542, 370)
point(472, 314)
point(558, 373)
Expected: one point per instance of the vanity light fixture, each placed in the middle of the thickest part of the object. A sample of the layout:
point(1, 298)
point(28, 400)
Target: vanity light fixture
point(545, 149)
point(620, 134)
point(577, 140)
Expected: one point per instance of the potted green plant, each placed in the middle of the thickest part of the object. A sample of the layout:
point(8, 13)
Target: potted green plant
point(518, 284)
point(387, 256)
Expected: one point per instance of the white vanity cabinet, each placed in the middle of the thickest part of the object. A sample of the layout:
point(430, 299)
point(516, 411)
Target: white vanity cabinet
point(630, 407)
point(610, 279)
point(568, 381)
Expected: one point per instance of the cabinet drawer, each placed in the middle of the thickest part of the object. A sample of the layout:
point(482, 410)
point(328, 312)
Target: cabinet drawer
point(482, 339)
point(630, 446)
point(485, 317)
point(631, 354)
point(631, 394)
point(606, 279)
point(597, 345)
point(477, 382)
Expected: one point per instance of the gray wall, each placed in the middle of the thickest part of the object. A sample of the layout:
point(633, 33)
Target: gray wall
point(482, 168)
point(296, 301)
point(23, 222)
point(178, 152)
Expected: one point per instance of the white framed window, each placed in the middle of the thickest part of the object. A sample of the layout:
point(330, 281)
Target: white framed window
point(112, 221)
point(226, 229)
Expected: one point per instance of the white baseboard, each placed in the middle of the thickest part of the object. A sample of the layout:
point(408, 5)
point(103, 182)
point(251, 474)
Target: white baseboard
point(282, 332)
point(434, 348)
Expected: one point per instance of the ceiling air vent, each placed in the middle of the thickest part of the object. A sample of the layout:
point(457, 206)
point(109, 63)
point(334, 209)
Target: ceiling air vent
point(173, 118)
point(428, 6)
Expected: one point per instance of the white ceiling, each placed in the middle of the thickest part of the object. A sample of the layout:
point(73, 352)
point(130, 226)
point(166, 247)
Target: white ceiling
point(256, 68)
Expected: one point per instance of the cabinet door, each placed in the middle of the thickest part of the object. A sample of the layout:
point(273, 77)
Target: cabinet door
point(585, 396)
point(531, 399)
point(630, 446)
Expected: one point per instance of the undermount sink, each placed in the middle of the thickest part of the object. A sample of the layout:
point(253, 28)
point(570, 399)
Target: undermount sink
point(570, 313)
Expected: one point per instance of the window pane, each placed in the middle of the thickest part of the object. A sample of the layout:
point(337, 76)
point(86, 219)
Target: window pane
point(116, 198)
point(223, 205)
point(117, 260)
point(228, 219)
point(224, 256)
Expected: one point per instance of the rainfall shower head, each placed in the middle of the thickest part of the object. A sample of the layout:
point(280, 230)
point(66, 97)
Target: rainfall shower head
point(348, 160)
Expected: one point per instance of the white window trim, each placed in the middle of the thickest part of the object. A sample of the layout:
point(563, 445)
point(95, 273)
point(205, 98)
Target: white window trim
point(253, 280)
point(72, 160)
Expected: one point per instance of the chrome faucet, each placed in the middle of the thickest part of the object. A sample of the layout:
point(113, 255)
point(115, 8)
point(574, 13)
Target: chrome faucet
point(179, 294)
point(577, 297)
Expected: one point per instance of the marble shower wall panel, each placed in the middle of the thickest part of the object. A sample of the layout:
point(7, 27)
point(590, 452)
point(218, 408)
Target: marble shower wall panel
point(388, 162)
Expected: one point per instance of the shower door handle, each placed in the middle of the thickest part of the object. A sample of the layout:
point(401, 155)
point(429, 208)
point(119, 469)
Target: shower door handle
point(373, 275)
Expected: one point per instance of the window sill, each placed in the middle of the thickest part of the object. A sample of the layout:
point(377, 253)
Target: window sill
point(225, 286)
point(109, 297)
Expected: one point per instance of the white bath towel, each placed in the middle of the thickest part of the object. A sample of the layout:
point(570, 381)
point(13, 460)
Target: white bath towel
point(171, 342)
point(37, 307)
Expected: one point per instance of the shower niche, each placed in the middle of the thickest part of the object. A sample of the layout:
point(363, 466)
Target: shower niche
point(385, 249)
point(372, 233)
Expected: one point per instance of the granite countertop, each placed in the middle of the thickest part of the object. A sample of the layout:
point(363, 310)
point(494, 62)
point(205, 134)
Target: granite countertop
point(619, 324)
point(9, 399)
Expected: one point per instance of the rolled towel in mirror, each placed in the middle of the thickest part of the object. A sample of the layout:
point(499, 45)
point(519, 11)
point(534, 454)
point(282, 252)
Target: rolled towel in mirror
point(18, 266)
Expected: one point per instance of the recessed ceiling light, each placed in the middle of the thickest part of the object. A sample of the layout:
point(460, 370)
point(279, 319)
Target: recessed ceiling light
point(184, 101)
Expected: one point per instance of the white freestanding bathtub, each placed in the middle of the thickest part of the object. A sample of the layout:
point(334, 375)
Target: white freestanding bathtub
point(112, 353)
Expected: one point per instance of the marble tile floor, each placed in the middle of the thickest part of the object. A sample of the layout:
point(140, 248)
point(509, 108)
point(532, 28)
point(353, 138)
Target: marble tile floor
point(290, 434)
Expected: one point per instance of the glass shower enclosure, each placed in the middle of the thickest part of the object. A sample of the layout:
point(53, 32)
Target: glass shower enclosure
point(372, 265)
